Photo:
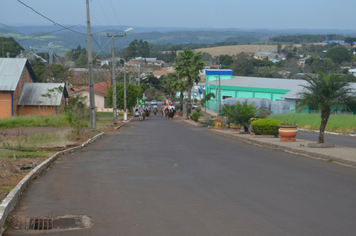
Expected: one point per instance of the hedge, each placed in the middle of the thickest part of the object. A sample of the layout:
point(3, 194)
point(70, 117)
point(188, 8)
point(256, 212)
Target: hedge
point(265, 126)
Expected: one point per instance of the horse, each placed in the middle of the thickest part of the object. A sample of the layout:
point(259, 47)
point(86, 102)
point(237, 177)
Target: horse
point(171, 113)
point(155, 110)
point(166, 111)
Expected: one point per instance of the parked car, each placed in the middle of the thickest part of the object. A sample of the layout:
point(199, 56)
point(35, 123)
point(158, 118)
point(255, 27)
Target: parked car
point(137, 114)
point(153, 102)
point(194, 105)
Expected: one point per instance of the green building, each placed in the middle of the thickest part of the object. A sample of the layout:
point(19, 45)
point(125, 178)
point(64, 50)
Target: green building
point(254, 87)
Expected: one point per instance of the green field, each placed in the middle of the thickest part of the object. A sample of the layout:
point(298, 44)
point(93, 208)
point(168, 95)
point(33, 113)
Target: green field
point(336, 123)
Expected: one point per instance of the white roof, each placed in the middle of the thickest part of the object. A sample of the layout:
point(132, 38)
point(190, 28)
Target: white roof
point(294, 85)
point(10, 72)
point(260, 82)
point(31, 94)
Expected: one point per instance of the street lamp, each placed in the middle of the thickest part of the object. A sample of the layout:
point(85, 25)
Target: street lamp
point(114, 77)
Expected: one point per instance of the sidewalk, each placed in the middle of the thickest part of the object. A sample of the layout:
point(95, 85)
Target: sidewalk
point(337, 154)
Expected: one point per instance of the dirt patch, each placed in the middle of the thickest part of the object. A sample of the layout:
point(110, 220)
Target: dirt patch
point(32, 131)
point(12, 170)
point(22, 149)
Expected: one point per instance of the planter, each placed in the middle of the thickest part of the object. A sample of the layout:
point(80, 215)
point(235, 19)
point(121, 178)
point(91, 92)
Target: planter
point(218, 124)
point(288, 133)
point(203, 119)
point(212, 118)
point(235, 128)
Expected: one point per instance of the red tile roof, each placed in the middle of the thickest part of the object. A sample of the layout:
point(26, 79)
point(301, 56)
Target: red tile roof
point(100, 88)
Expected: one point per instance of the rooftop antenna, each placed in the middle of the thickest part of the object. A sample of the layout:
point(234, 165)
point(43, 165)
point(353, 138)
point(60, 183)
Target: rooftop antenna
point(50, 52)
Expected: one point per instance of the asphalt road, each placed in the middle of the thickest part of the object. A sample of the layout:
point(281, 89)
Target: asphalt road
point(347, 141)
point(163, 177)
point(342, 140)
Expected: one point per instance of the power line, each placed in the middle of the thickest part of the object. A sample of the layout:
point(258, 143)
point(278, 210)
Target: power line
point(30, 37)
point(112, 7)
point(12, 29)
point(55, 23)
point(106, 16)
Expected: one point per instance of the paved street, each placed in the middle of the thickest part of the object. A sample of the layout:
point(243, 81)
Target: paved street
point(347, 141)
point(163, 177)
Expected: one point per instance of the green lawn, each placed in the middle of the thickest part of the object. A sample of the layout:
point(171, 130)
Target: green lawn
point(336, 123)
point(33, 121)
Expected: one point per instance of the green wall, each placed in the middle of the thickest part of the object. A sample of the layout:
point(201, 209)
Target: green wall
point(245, 92)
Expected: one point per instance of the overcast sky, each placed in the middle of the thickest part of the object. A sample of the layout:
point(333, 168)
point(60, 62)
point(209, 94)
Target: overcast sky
point(261, 14)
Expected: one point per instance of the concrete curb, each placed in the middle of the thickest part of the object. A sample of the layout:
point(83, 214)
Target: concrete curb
point(290, 150)
point(306, 153)
point(9, 203)
point(118, 127)
point(327, 132)
point(192, 123)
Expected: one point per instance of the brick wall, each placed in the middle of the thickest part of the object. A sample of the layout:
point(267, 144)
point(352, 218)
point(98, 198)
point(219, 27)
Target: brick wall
point(5, 104)
point(36, 110)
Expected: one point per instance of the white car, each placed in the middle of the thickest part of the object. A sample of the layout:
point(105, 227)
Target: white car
point(153, 102)
point(194, 106)
point(137, 114)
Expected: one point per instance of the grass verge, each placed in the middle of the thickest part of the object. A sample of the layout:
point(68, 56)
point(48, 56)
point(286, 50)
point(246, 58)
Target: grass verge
point(336, 123)
point(33, 121)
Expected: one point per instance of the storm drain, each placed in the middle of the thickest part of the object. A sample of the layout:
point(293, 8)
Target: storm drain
point(68, 222)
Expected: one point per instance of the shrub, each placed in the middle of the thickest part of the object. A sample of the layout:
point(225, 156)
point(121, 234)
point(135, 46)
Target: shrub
point(77, 114)
point(195, 116)
point(197, 109)
point(211, 123)
point(177, 107)
point(265, 126)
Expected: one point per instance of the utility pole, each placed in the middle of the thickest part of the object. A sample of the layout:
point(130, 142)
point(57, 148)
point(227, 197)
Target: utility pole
point(125, 110)
point(219, 95)
point(91, 80)
point(113, 79)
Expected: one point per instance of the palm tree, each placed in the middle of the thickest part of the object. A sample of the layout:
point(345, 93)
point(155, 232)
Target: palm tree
point(324, 92)
point(168, 83)
point(206, 98)
point(188, 65)
point(240, 113)
point(177, 84)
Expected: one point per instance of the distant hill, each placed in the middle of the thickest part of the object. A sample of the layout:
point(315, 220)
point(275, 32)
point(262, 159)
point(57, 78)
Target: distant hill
point(64, 40)
point(233, 50)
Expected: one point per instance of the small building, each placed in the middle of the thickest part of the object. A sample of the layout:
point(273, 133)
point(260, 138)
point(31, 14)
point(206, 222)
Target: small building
point(302, 61)
point(14, 73)
point(163, 72)
point(42, 98)
point(352, 72)
point(254, 87)
point(20, 96)
point(80, 76)
point(100, 91)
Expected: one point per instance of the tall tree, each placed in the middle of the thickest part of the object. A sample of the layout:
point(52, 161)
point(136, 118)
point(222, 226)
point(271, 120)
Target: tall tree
point(140, 46)
point(138, 49)
point(180, 85)
point(132, 49)
point(351, 41)
point(132, 93)
point(225, 61)
point(279, 47)
point(173, 54)
point(242, 66)
point(145, 50)
point(168, 83)
point(338, 54)
point(11, 46)
point(188, 65)
point(324, 92)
